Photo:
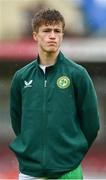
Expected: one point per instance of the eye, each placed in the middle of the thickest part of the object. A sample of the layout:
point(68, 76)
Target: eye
point(46, 30)
point(57, 30)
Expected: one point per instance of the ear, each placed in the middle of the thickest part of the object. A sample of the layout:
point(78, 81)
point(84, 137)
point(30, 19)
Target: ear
point(34, 36)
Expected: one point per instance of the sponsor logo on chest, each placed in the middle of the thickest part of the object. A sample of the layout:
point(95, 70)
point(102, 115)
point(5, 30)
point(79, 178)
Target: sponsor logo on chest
point(28, 84)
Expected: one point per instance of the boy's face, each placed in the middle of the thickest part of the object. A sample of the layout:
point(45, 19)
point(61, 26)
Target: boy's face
point(49, 37)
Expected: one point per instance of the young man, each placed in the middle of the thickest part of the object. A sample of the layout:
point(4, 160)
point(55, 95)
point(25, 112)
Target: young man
point(53, 107)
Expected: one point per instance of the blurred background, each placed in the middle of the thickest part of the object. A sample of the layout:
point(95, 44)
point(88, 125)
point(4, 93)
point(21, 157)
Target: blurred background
point(84, 42)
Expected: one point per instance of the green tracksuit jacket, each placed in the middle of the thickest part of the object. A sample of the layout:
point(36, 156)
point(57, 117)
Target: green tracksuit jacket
point(54, 116)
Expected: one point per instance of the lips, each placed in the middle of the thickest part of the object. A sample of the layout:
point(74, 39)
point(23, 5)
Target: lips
point(52, 43)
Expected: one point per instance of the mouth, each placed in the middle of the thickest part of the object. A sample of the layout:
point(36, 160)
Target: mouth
point(52, 43)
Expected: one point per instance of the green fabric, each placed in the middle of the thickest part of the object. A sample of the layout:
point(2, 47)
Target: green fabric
point(52, 115)
point(75, 174)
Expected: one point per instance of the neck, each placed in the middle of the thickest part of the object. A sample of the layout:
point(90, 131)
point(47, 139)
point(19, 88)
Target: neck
point(48, 58)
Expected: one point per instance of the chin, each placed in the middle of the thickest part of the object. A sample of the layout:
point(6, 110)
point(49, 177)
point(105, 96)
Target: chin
point(52, 50)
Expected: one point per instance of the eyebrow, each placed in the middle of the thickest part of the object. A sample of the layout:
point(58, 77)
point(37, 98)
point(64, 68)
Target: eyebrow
point(49, 28)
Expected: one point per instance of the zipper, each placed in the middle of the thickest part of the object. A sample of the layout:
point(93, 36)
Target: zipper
point(45, 120)
point(45, 83)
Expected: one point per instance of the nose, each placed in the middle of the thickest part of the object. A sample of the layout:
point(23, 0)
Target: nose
point(52, 35)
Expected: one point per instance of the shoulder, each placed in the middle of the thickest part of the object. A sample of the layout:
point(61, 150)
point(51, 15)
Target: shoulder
point(27, 68)
point(24, 70)
point(77, 72)
point(73, 66)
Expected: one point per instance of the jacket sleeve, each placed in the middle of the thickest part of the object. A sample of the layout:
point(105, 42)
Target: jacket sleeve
point(87, 107)
point(15, 105)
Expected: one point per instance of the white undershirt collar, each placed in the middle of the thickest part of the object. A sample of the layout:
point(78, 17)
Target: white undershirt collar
point(43, 67)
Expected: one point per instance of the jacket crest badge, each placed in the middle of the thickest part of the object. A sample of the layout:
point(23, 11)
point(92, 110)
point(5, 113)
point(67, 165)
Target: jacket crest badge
point(63, 82)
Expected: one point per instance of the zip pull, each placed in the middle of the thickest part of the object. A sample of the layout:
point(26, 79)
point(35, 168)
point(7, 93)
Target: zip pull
point(45, 83)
